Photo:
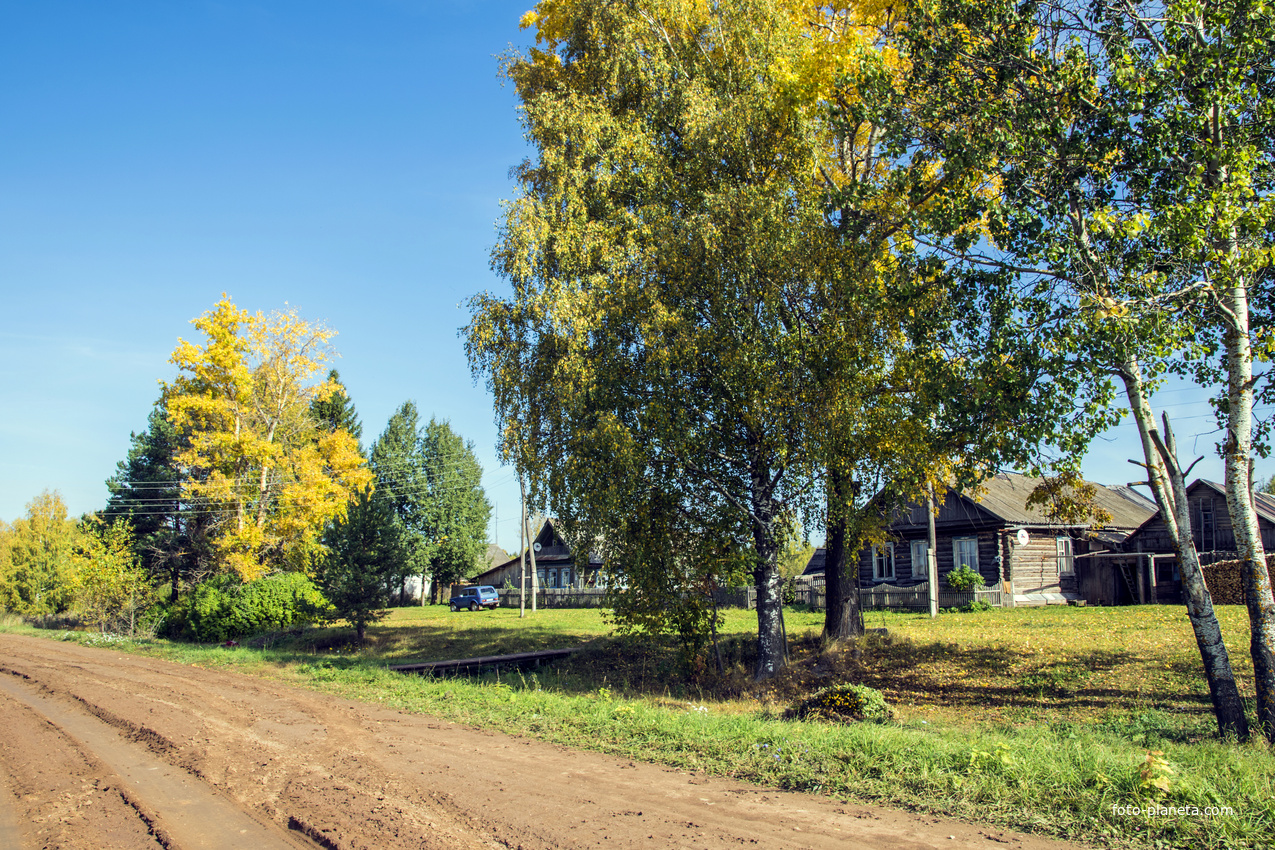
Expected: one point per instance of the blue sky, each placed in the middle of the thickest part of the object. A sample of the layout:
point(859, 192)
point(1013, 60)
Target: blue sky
point(346, 158)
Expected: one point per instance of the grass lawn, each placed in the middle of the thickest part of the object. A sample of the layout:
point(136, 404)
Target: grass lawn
point(1045, 720)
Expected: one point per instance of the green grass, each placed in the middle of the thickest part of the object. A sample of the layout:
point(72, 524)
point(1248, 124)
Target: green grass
point(1033, 719)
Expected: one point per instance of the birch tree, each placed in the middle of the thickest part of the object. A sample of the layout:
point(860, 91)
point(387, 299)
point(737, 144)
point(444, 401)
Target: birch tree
point(645, 348)
point(1134, 144)
point(253, 457)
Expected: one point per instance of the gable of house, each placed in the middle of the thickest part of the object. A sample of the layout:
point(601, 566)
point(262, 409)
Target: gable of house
point(1211, 528)
point(555, 564)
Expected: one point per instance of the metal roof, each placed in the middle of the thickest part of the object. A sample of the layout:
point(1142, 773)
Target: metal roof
point(1005, 495)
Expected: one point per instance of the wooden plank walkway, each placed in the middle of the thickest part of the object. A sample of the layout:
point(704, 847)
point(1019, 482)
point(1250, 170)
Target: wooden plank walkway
point(483, 661)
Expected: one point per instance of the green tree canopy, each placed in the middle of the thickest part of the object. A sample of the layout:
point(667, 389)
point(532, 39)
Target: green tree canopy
point(37, 558)
point(457, 507)
point(362, 551)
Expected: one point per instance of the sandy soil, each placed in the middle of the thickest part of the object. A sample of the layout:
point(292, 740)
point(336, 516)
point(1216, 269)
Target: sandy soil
point(104, 750)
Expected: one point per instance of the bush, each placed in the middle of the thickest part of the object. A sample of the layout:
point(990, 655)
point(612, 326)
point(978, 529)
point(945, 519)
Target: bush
point(844, 702)
point(965, 579)
point(222, 608)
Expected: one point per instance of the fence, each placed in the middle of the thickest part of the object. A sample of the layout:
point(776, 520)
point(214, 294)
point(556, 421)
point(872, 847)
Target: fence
point(912, 598)
point(556, 597)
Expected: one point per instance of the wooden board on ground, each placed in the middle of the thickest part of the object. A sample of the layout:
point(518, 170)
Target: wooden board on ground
point(516, 658)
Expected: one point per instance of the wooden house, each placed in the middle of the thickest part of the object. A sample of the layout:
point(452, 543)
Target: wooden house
point(556, 565)
point(1146, 569)
point(1034, 559)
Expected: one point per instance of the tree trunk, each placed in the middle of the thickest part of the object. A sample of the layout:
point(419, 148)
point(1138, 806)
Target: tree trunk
point(1167, 481)
point(771, 652)
point(843, 618)
point(1238, 450)
point(772, 648)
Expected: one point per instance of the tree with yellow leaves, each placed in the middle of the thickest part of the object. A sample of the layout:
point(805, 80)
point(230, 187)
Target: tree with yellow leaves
point(112, 590)
point(255, 460)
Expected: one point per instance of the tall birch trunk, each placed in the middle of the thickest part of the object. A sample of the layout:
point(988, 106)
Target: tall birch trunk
point(772, 648)
point(1168, 483)
point(1238, 450)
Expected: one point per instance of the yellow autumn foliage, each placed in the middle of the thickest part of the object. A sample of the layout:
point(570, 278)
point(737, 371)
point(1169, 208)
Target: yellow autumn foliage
point(255, 459)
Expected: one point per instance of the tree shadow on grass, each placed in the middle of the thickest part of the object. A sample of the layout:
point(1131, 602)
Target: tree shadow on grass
point(991, 681)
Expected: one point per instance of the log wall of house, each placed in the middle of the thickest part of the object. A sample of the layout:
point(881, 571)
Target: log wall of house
point(1035, 567)
point(988, 549)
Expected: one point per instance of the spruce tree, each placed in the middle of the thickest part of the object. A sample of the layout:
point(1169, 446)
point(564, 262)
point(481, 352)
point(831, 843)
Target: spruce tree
point(146, 493)
point(361, 551)
point(337, 411)
point(401, 485)
point(457, 507)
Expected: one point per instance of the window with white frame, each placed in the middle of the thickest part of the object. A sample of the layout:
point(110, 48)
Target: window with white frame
point(920, 559)
point(1066, 556)
point(883, 561)
point(965, 553)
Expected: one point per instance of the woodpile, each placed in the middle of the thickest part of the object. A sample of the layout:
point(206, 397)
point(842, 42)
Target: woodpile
point(1225, 580)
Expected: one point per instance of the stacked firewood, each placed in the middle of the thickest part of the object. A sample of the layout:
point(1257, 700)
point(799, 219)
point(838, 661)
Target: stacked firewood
point(1225, 580)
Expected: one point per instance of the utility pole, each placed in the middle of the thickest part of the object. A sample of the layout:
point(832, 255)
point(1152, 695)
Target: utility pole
point(535, 576)
point(522, 551)
point(932, 555)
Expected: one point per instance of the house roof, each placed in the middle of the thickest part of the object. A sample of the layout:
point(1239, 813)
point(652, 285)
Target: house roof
point(1005, 496)
point(818, 562)
point(553, 552)
point(494, 555)
point(1264, 502)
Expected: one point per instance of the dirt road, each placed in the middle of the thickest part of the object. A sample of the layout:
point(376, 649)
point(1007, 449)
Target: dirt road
point(105, 750)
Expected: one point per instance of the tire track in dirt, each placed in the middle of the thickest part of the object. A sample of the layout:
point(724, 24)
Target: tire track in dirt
point(63, 795)
point(179, 812)
point(10, 834)
point(355, 776)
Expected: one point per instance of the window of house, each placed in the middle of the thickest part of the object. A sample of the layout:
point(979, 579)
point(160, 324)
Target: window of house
point(1206, 526)
point(965, 553)
point(883, 561)
point(553, 579)
point(920, 559)
point(565, 576)
point(1065, 555)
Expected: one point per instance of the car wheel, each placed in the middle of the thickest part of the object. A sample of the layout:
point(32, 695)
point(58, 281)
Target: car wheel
point(454, 608)
point(473, 606)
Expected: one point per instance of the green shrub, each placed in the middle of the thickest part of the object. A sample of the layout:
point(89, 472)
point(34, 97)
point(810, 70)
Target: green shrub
point(222, 608)
point(965, 579)
point(844, 702)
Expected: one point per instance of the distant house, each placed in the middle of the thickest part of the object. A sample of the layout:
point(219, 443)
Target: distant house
point(1146, 570)
point(1036, 560)
point(494, 555)
point(556, 565)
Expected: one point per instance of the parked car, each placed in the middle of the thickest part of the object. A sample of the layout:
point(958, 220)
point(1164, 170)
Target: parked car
point(474, 598)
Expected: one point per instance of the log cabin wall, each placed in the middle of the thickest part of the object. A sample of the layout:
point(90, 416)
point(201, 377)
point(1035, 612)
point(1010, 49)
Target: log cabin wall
point(1035, 568)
